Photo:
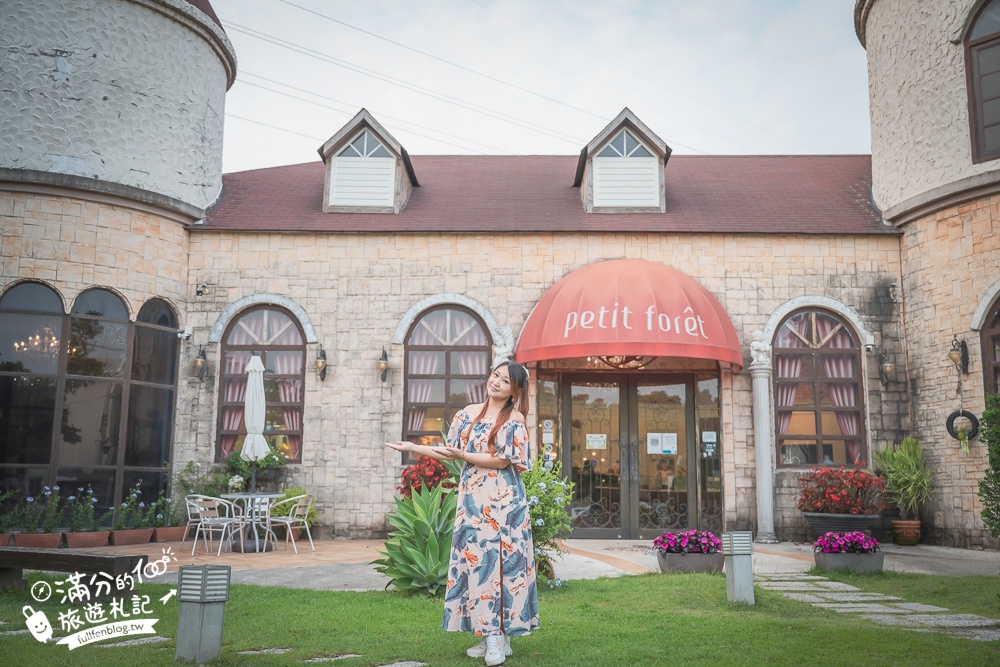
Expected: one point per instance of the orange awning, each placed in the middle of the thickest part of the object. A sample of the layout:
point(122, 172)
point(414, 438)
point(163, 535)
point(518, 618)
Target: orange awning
point(628, 307)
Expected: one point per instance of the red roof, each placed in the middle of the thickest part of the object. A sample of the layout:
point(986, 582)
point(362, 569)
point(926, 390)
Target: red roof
point(705, 194)
point(206, 6)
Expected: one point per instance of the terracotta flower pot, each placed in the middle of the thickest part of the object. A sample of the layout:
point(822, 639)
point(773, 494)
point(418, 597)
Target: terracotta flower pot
point(97, 538)
point(859, 563)
point(37, 540)
point(842, 523)
point(131, 536)
point(669, 562)
point(4, 539)
point(906, 532)
point(169, 534)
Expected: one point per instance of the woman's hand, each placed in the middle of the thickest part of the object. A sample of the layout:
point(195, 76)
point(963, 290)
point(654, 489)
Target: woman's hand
point(401, 445)
point(450, 453)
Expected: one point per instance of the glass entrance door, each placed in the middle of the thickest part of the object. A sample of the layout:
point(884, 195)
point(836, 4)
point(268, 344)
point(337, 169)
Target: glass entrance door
point(631, 443)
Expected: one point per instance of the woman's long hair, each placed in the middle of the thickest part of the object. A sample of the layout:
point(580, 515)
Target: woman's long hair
point(518, 400)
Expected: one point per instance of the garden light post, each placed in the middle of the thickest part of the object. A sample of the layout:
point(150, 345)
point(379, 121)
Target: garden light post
point(737, 547)
point(202, 591)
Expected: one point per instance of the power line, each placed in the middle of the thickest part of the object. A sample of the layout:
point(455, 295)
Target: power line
point(327, 106)
point(351, 108)
point(641, 76)
point(273, 127)
point(443, 60)
point(555, 134)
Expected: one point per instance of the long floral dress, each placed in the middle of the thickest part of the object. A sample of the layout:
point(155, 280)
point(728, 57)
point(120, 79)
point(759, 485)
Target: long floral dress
point(491, 574)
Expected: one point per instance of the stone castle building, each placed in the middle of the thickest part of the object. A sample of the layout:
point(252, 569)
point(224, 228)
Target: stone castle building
point(701, 331)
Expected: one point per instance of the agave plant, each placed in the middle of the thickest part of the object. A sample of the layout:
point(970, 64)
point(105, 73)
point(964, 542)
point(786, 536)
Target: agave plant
point(417, 552)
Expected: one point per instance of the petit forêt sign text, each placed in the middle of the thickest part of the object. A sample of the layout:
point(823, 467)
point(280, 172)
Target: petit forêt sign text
point(687, 322)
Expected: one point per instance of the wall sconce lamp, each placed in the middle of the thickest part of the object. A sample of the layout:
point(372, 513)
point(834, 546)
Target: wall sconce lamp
point(886, 368)
point(383, 365)
point(959, 355)
point(893, 296)
point(201, 363)
point(321, 363)
point(202, 289)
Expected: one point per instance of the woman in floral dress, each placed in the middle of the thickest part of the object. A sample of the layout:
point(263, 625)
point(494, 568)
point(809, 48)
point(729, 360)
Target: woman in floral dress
point(491, 576)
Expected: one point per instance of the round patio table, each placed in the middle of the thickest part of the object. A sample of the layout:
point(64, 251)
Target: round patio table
point(252, 518)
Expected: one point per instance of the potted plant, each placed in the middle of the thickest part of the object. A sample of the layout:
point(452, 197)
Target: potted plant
point(908, 485)
point(267, 467)
point(164, 516)
point(37, 520)
point(852, 551)
point(689, 551)
point(131, 524)
point(841, 500)
point(84, 524)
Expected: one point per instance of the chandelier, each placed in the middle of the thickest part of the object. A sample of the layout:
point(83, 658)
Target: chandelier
point(623, 362)
point(39, 344)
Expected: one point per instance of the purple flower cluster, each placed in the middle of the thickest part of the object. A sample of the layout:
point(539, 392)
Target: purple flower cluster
point(854, 542)
point(688, 542)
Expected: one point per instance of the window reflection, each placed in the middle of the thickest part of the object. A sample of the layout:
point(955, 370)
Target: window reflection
point(26, 419)
point(90, 422)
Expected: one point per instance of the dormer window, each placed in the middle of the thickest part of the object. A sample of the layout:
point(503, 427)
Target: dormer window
point(367, 171)
point(621, 169)
point(362, 174)
point(626, 175)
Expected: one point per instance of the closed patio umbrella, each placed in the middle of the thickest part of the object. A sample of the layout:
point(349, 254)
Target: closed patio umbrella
point(254, 446)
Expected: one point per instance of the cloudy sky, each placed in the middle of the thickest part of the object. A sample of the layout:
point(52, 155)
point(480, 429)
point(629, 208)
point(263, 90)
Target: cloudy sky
point(544, 76)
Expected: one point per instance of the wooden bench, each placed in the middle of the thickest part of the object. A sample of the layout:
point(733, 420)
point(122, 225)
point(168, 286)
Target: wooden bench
point(14, 560)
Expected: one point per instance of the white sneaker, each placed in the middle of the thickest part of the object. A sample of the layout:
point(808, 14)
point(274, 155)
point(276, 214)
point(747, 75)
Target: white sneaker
point(479, 650)
point(497, 650)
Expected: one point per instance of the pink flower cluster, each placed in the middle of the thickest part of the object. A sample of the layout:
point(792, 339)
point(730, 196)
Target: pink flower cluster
point(854, 542)
point(688, 542)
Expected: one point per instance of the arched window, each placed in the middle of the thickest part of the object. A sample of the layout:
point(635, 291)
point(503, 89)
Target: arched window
point(817, 390)
point(447, 359)
point(274, 334)
point(990, 337)
point(109, 381)
point(31, 334)
point(982, 58)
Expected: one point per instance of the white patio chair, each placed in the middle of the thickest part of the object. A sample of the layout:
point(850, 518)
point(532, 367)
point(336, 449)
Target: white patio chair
point(193, 517)
point(296, 519)
point(216, 515)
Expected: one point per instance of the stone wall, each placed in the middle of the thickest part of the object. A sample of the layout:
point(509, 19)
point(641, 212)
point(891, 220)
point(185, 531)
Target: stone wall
point(355, 288)
point(125, 92)
point(73, 244)
point(950, 261)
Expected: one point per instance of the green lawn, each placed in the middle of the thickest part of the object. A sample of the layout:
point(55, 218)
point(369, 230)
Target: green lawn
point(643, 620)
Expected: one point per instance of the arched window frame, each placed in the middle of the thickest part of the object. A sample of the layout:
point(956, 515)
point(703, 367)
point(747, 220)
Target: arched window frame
point(984, 87)
point(990, 344)
point(86, 342)
point(825, 361)
point(291, 404)
point(422, 363)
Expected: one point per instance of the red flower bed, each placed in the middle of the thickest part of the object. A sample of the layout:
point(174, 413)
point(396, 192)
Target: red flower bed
point(843, 491)
point(425, 473)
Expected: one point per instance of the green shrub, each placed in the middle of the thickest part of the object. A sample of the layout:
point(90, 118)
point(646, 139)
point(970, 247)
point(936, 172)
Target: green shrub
point(416, 554)
point(548, 502)
point(285, 510)
point(989, 487)
point(194, 478)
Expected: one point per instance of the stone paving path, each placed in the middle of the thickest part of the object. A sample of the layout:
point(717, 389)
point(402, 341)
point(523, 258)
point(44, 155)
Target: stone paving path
point(878, 608)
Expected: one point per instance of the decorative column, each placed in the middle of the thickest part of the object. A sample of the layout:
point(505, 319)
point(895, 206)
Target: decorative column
point(760, 371)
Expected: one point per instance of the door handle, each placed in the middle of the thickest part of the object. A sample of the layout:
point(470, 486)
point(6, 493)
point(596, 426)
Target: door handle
point(634, 456)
